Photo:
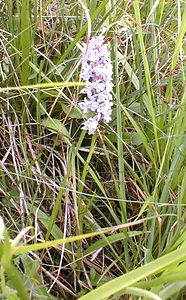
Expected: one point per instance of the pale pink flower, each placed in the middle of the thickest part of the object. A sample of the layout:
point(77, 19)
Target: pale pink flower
point(97, 73)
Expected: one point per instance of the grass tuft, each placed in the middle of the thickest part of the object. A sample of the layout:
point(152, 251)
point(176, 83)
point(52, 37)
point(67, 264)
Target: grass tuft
point(102, 216)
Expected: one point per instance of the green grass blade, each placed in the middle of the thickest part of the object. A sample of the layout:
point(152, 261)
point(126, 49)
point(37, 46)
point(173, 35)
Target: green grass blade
point(147, 75)
point(25, 41)
point(116, 285)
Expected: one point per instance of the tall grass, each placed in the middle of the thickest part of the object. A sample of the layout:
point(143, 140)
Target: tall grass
point(102, 216)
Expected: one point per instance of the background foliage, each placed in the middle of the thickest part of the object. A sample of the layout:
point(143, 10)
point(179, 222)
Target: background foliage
point(92, 216)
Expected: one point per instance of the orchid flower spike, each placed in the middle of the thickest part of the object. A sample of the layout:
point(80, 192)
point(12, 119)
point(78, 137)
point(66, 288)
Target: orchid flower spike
point(97, 73)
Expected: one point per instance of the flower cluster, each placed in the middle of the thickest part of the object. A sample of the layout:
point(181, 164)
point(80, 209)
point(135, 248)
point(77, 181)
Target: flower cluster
point(97, 73)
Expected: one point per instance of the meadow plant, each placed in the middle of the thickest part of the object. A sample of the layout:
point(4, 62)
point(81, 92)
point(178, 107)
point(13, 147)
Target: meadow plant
point(97, 73)
point(101, 217)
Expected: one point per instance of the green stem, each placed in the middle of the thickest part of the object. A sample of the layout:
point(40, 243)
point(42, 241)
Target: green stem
point(122, 194)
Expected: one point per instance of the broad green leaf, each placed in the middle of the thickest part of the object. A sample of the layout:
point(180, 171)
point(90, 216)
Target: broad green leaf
point(43, 218)
point(110, 240)
point(141, 293)
point(172, 289)
point(135, 139)
point(72, 112)
point(55, 126)
point(38, 246)
point(116, 285)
